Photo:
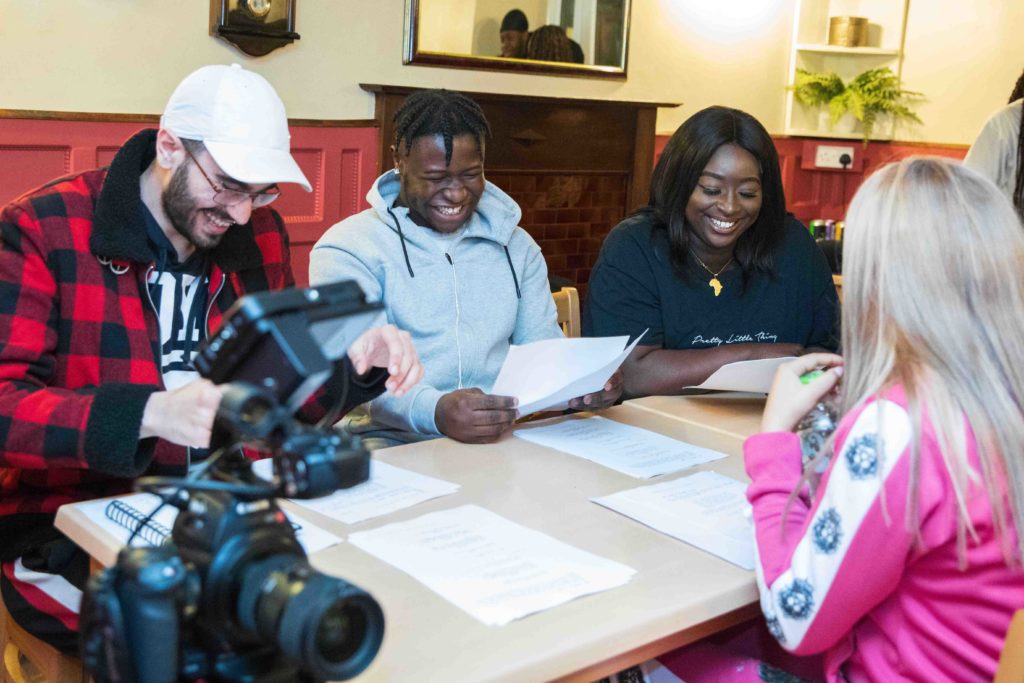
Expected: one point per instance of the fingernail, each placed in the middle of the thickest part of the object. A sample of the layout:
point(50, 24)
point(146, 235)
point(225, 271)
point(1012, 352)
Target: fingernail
point(839, 370)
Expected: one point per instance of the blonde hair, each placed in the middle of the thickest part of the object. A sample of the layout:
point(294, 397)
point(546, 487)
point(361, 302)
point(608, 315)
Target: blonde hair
point(934, 301)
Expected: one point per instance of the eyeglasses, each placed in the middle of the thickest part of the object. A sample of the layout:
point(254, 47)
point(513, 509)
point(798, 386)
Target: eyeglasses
point(227, 197)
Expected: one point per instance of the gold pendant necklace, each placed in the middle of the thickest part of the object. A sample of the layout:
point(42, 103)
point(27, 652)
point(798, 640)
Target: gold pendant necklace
point(714, 283)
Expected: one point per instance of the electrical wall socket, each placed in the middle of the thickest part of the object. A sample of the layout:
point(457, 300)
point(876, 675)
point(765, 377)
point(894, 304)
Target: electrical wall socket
point(827, 156)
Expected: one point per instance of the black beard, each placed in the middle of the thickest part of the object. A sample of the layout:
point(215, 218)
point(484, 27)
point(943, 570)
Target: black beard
point(181, 211)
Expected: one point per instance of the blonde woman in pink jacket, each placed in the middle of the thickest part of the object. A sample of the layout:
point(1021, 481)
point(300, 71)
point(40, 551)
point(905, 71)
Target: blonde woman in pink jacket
point(902, 560)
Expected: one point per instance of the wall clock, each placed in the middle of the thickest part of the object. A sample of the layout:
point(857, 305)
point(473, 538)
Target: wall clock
point(256, 27)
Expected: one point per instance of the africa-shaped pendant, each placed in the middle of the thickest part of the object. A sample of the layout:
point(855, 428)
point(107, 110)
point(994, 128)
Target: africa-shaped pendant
point(714, 284)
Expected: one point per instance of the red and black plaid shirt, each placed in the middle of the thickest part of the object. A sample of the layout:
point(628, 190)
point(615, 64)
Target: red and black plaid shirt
point(79, 344)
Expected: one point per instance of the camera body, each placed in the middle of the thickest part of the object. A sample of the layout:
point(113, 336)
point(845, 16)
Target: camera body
point(232, 597)
point(134, 605)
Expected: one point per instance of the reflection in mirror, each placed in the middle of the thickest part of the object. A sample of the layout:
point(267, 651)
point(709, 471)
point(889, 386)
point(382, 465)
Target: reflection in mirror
point(583, 36)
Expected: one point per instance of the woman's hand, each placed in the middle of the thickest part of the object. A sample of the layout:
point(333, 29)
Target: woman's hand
point(388, 347)
point(790, 399)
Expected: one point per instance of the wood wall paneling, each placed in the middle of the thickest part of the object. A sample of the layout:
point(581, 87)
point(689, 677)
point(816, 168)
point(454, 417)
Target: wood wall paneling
point(339, 161)
point(570, 198)
point(23, 167)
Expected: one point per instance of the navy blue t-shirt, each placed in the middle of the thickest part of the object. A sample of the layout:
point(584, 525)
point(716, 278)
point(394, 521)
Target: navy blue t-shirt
point(633, 287)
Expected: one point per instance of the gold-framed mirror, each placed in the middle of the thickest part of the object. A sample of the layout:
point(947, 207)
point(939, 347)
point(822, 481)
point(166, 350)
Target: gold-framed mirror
point(570, 37)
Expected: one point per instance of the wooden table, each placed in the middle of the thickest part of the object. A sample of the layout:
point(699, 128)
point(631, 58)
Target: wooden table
point(723, 419)
point(678, 595)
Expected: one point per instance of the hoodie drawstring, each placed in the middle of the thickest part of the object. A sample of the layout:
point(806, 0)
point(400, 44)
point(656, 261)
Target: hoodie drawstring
point(401, 236)
point(515, 280)
point(408, 264)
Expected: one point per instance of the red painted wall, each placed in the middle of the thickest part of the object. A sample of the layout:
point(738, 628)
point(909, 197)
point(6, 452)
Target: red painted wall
point(813, 193)
point(341, 164)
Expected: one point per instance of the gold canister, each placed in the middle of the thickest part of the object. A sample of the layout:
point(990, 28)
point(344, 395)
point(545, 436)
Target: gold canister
point(848, 31)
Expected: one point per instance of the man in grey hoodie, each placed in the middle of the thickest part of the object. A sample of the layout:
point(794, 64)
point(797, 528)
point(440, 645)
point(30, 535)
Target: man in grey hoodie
point(441, 247)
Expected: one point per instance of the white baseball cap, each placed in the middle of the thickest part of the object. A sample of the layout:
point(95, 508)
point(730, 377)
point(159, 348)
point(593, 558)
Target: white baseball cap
point(240, 119)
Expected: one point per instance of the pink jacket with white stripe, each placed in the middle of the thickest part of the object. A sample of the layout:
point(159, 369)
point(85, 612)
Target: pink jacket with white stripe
point(840, 574)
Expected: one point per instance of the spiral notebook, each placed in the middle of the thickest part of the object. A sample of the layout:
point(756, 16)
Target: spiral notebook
point(134, 520)
point(119, 517)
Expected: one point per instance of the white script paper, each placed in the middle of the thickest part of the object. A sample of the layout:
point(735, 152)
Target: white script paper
point(388, 489)
point(631, 450)
point(706, 509)
point(311, 537)
point(745, 375)
point(494, 569)
point(548, 373)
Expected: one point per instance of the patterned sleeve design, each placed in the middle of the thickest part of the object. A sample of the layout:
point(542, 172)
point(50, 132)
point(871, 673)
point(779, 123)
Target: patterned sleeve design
point(812, 584)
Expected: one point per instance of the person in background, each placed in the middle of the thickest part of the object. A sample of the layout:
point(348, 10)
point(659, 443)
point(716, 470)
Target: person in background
point(514, 32)
point(442, 248)
point(713, 269)
point(902, 560)
point(998, 151)
point(577, 52)
point(550, 43)
point(109, 280)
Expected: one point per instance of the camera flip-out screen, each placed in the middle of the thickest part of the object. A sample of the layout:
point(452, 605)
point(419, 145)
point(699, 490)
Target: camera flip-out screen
point(287, 341)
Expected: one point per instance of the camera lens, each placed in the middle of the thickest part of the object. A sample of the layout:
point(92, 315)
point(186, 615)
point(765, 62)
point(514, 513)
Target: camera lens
point(325, 625)
point(334, 639)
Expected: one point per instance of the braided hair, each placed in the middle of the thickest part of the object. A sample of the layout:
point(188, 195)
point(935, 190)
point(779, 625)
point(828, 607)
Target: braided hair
point(1018, 188)
point(440, 112)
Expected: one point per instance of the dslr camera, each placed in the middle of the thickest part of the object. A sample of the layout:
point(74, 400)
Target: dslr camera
point(231, 596)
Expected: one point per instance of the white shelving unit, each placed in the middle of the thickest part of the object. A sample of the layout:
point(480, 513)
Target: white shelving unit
point(810, 50)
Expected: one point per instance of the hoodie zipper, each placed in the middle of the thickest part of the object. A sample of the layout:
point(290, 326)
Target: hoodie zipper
point(458, 314)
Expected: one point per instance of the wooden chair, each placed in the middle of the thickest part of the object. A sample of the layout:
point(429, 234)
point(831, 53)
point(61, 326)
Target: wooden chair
point(567, 303)
point(1011, 662)
point(46, 663)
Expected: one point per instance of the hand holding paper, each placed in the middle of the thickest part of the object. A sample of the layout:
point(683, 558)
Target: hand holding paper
point(604, 398)
point(745, 375)
point(551, 372)
point(471, 416)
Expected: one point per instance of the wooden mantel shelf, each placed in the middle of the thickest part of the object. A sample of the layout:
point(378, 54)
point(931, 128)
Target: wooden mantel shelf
point(539, 134)
point(378, 88)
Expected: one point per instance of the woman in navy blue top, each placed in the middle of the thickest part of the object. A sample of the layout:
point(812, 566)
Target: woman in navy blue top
point(713, 268)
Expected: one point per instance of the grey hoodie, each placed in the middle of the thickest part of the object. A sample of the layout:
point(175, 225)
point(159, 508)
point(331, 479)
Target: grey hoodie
point(455, 294)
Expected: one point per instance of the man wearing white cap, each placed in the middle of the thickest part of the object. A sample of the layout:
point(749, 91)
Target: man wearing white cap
point(109, 280)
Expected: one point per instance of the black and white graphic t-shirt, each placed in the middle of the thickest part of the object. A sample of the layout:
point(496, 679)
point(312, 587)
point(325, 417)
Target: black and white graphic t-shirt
point(179, 293)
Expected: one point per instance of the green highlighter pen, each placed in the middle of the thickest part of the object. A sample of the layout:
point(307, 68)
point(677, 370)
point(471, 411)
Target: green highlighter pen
point(809, 377)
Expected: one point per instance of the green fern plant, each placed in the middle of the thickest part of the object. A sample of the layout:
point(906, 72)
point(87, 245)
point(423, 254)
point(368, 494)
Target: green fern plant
point(869, 97)
point(817, 89)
